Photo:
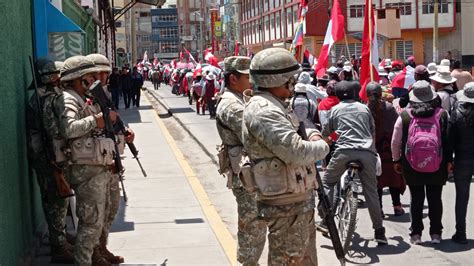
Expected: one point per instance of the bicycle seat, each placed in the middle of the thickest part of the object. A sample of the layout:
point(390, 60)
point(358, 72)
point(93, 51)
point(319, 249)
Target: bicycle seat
point(355, 164)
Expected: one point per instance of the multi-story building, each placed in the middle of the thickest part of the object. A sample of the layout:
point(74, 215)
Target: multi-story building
point(192, 20)
point(121, 46)
point(230, 10)
point(165, 38)
point(268, 23)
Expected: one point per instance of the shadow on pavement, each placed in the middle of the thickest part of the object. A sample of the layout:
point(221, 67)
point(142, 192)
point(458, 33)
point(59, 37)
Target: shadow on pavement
point(449, 246)
point(120, 225)
point(361, 253)
point(181, 110)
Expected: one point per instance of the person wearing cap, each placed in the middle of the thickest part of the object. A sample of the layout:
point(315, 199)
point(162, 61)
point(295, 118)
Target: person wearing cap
point(424, 105)
point(209, 90)
point(314, 93)
point(421, 73)
point(354, 125)
point(462, 77)
point(196, 91)
point(461, 132)
point(91, 156)
point(385, 115)
point(43, 128)
point(102, 71)
point(346, 73)
point(303, 106)
point(279, 157)
point(333, 73)
point(442, 82)
point(384, 81)
point(137, 83)
point(396, 68)
point(251, 234)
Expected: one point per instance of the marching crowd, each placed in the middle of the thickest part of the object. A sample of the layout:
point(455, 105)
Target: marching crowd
point(414, 124)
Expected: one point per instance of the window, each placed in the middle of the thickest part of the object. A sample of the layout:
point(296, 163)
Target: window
point(272, 27)
point(354, 48)
point(356, 11)
point(404, 49)
point(119, 24)
point(405, 8)
point(381, 14)
point(168, 46)
point(428, 7)
point(278, 25)
point(289, 19)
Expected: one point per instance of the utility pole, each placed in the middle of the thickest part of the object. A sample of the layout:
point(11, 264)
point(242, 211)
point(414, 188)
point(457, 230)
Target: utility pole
point(435, 32)
point(134, 37)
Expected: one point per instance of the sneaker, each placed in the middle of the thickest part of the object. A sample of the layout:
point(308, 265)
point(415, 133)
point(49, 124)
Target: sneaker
point(435, 239)
point(398, 210)
point(380, 237)
point(459, 238)
point(322, 227)
point(415, 239)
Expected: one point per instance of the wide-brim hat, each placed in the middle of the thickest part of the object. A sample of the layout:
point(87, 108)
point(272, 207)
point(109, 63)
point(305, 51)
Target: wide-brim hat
point(332, 70)
point(422, 92)
point(211, 76)
point(444, 77)
point(432, 68)
point(467, 94)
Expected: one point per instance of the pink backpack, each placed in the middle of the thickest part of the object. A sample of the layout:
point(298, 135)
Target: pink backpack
point(423, 147)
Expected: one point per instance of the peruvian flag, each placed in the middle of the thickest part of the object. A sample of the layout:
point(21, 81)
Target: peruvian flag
point(155, 61)
point(173, 63)
point(405, 79)
point(334, 33)
point(308, 57)
point(190, 56)
point(208, 56)
point(370, 51)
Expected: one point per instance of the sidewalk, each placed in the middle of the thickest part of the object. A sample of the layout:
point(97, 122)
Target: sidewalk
point(166, 220)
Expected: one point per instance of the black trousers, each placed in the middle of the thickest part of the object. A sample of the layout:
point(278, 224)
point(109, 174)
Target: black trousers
point(394, 192)
point(127, 98)
point(136, 97)
point(435, 208)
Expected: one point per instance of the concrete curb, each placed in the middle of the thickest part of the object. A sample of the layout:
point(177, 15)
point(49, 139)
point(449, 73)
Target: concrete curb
point(168, 109)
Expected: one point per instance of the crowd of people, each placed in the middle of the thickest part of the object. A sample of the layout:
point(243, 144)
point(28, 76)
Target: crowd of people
point(412, 135)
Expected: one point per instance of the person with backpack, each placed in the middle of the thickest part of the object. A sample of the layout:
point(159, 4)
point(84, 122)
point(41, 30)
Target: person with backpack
point(460, 132)
point(304, 107)
point(420, 151)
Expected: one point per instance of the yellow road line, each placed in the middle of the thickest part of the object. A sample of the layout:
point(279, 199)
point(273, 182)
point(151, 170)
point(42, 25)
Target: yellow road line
point(220, 230)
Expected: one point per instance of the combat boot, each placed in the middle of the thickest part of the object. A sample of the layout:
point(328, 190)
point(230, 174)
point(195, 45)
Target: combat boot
point(109, 255)
point(61, 255)
point(98, 259)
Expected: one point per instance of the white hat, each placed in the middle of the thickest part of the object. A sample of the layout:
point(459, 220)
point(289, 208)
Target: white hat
point(332, 70)
point(444, 64)
point(467, 94)
point(347, 68)
point(300, 88)
point(211, 76)
point(443, 76)
point(382, 71)
point(432, 68)
point(388, 63)
point(422, 92)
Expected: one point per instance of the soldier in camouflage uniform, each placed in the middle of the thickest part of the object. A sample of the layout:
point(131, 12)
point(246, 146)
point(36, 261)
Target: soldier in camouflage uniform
point(91, 156)
point(102, 72)
point(43, 127)
point(252, 231)
point(281, 163)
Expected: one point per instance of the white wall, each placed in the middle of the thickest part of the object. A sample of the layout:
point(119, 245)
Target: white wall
point(467, 9)
point(444, 19)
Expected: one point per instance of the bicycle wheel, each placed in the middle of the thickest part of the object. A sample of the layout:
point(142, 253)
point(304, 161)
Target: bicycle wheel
point(347, 215)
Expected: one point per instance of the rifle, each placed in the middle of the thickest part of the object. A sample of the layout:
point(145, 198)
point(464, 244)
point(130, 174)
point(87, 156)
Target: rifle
point(101, 99)
point(326, 210)
point(64, 190)
point(120, 127)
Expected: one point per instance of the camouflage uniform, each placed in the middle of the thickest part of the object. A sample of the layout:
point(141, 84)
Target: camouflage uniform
point(252, 231)
point(88, 180)
point(54, 207)
point(102, 64)
point(271, 140)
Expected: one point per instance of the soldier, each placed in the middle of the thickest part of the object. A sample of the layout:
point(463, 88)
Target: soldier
point(43, 128)
point(91, 156)
point(102, 71)
point(251, 230)
point(281, 163)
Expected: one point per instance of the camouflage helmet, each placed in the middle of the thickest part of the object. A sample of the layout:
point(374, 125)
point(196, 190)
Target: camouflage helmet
point(102, 64)
point(75, 67)
point(273, 67)
point(45, 67)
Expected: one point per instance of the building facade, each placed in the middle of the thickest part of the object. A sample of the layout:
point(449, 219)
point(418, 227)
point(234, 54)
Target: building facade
point(230, 10)
point(192, 22)
point(165, 37)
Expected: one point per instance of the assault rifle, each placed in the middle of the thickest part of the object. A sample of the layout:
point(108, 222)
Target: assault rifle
point(101, 99)
point(64, 190)
point(326, 210)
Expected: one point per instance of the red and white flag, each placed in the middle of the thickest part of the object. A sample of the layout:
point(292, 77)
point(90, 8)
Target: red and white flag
point(209, 57)
point(334, 33)
point(236, 52)
point(370, 51)
point(405, 79)
point(155, 62)
point(308, 57)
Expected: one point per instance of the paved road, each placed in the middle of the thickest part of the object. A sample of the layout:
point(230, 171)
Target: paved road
point(364, 250)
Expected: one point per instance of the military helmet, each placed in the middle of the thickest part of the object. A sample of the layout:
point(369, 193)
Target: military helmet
point(75, 67)
point(273, 67)
point(102, 64)
point(45, 67)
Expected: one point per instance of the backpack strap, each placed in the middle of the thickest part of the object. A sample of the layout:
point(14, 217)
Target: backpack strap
point(406, 119)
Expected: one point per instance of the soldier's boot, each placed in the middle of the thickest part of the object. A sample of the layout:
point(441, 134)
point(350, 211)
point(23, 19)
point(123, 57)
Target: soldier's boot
point(98, 259)
point(109, 255)
point(61, 255)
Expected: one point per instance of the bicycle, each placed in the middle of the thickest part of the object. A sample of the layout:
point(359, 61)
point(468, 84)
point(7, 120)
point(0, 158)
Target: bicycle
point(346, 203)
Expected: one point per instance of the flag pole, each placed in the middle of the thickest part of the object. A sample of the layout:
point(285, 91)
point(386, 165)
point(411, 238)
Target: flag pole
point(370, 41)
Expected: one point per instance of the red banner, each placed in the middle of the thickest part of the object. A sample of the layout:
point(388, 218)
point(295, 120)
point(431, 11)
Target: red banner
point(214, 17)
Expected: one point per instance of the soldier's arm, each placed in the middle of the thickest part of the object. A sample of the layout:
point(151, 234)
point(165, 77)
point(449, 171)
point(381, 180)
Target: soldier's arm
point(71, 125)
point(232, 118)
point(272, 129)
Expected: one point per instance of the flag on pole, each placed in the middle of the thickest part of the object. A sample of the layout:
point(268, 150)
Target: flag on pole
point(370, 54)
point(208, 56)
point(236, 52)
point(298, 38)
point(190, 56)
point(308, 57)
point(334, 33)
point(405, 79)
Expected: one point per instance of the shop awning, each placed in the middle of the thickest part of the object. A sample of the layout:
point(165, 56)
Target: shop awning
point(56, 21)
